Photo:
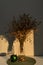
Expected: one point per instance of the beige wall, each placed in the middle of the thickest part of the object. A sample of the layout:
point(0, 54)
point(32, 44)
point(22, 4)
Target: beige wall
point(28, 49)
point(29, 44)
point(16, 47)
point(3, 44)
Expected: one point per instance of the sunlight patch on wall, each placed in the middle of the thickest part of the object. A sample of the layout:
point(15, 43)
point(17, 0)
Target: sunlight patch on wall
point(16, 47)
point(3, 44)
point(29, 44)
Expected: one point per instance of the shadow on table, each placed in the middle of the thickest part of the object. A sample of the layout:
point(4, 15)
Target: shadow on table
point(2, 54)
point(28, 61)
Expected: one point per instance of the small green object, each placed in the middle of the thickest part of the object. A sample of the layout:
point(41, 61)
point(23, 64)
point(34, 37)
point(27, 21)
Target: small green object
point(13, 58)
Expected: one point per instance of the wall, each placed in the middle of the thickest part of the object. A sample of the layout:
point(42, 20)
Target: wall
point(9, 8)
point(28, 47)
point(3, 44)
point(29, 44)
point(16, 47)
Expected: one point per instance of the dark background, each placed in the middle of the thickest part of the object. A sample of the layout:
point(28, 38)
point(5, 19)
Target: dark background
point(9, 8)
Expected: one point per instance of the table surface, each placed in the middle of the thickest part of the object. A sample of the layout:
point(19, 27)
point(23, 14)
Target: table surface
point(29, 61)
